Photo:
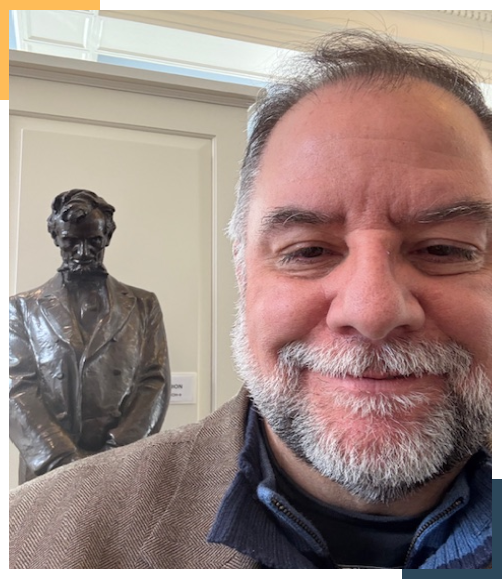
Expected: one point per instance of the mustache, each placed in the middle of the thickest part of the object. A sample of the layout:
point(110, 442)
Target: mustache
point(398, 357)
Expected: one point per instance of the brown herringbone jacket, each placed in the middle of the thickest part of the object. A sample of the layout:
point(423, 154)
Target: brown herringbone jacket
point(147, 505)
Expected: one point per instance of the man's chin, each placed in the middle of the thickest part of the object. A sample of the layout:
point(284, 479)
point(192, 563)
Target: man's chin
point(379, 450)
point(380, 473)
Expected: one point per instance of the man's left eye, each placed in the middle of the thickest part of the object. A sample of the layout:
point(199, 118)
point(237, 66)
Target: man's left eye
point(449, 253)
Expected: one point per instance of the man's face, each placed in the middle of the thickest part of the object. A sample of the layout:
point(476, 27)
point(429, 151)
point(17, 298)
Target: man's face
point(82, 243)
point(364, 332)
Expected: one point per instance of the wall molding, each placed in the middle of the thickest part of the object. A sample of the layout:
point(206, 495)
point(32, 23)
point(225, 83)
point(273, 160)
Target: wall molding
point(113, 77)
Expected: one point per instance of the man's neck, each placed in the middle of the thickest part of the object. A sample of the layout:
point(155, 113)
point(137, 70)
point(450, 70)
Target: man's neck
point(320, 487)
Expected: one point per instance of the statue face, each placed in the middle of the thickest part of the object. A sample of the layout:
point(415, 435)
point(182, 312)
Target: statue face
point(82, 243)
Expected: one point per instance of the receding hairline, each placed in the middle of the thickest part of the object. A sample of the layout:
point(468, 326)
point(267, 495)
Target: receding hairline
point(365, 59)
point(361, 86)
point(353, 88)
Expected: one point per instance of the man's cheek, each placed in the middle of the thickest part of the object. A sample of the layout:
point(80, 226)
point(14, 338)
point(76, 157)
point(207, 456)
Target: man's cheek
point(275, 318)
point(470, 326)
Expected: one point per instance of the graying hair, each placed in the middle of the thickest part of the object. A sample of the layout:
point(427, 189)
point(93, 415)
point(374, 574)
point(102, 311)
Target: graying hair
point(360, 56)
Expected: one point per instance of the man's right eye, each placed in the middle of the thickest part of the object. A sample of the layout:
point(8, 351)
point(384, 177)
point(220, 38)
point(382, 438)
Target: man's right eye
point(97, 242)
point(304, 254)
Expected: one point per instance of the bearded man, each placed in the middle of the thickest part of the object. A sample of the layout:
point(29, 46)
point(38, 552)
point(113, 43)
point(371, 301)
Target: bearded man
point(362, 248)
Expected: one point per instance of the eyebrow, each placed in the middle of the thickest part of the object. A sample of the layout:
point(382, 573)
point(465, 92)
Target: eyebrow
point(472, 210)
point(285, 217)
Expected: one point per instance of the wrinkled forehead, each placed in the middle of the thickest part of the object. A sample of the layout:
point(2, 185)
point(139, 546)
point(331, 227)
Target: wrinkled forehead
point(414, 110)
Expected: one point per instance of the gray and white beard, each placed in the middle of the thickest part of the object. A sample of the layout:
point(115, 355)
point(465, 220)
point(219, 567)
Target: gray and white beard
point(406, 453)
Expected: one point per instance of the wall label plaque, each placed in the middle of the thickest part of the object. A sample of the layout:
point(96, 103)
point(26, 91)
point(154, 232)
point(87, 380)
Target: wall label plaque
point(183, 387)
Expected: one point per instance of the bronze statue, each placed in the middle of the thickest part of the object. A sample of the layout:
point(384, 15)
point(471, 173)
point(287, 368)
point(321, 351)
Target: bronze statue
point(89, 367)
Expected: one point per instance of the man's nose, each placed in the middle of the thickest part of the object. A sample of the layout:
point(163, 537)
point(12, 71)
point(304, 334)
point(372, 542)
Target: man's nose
point(373, 295)
point(82, 249)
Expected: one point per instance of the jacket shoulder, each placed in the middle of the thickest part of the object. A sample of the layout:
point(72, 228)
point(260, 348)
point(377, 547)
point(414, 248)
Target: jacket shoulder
point(93, 505)
point(98, 512)
point(23, 302)
point(34, 293)
point(137, 292)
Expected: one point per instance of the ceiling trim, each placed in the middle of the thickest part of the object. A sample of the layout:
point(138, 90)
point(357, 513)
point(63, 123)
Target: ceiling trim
point(482, 15)
point(466, 33)
point(294, 21)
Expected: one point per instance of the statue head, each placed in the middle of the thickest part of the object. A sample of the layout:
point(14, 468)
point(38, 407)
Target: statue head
point(81, 225)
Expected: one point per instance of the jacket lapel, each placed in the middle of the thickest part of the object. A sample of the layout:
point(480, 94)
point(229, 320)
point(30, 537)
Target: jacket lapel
point(55, 309)
point(121, 303)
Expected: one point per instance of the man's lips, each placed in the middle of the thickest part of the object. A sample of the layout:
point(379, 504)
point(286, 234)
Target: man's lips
point(374, 382)
point(376, 375)
point(381, 383)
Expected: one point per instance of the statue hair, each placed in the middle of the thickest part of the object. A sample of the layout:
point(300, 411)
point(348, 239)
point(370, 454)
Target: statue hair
point(74, 205)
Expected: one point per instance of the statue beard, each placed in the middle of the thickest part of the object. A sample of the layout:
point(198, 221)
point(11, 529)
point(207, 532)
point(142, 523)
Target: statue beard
point(394, 454)
point(78, 272)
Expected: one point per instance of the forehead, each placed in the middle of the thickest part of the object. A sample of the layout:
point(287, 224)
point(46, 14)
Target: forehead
point(93, 225)
point(365, 150)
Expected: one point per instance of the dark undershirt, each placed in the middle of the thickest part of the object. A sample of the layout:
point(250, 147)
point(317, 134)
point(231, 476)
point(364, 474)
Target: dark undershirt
point(353, 539)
